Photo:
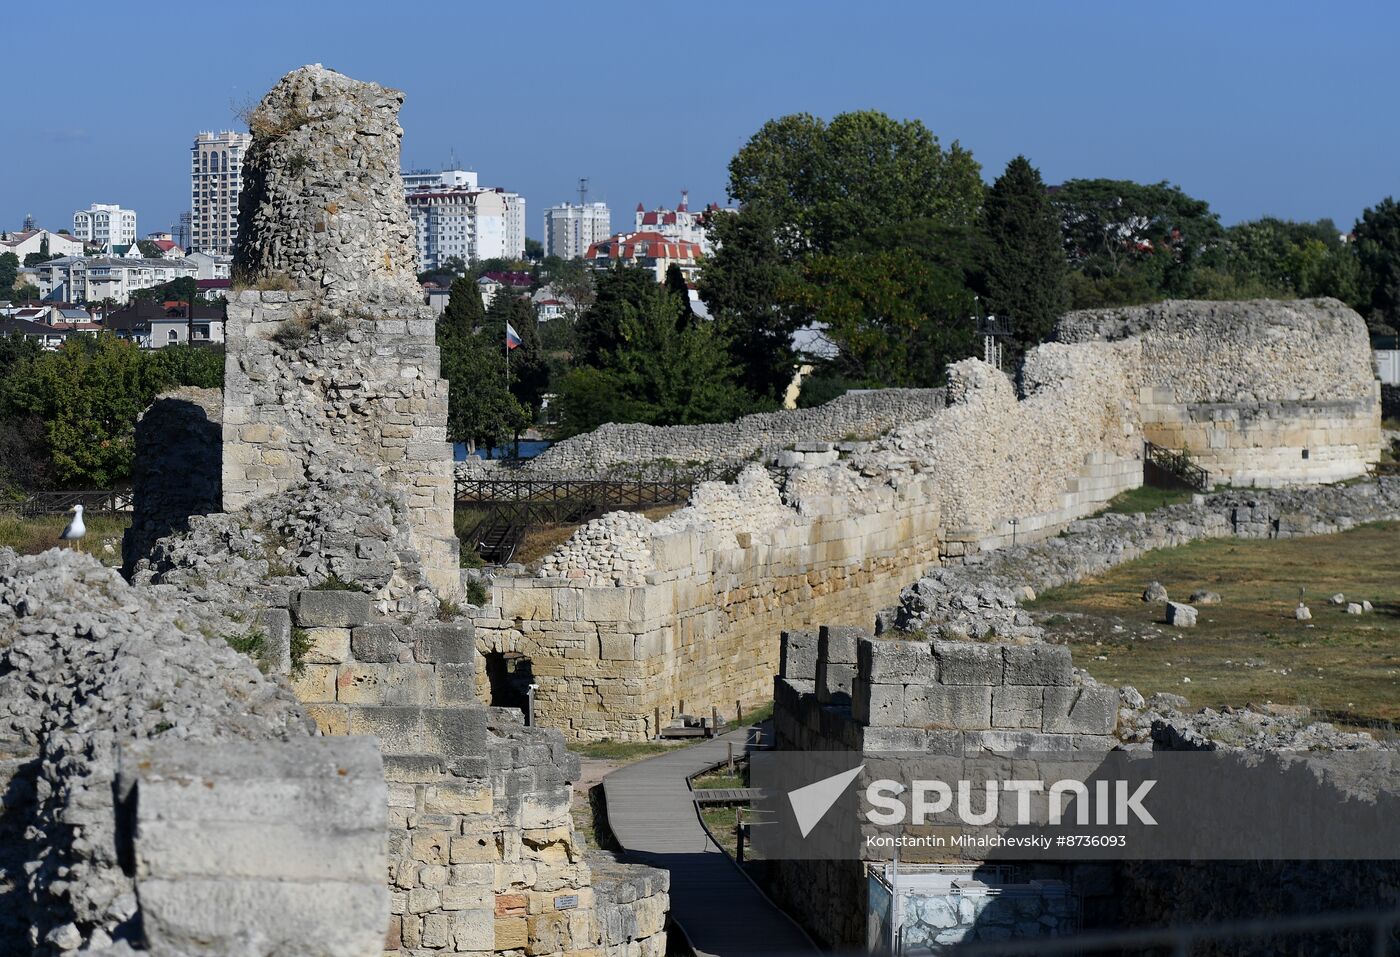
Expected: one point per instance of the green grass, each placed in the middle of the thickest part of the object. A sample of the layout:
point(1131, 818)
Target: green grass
point(1145, 499)
point(1249, 648)
point(621, 750)
point(34, 534)
point(760, 713)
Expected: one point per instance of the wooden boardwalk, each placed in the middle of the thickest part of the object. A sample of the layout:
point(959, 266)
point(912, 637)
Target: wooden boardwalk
point(652, 813)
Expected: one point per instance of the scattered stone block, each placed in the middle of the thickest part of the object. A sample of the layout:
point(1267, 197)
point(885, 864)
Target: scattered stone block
point(1156, 591)
point(1353, 608)
point(1203, 597)
point(1180, 615)
point(1302, 612)
point(1338, 599)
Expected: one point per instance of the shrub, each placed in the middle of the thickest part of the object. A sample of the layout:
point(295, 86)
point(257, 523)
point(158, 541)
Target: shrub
point(477, 593)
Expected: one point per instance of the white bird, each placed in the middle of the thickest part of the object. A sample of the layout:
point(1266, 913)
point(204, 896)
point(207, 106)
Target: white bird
point(76, 529)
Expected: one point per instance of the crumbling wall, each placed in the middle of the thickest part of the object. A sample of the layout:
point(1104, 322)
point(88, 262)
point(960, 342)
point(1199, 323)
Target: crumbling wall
point(97, 676)
point(629, 448)
point(634, 622)
point(1260, 393)
point(332, 350)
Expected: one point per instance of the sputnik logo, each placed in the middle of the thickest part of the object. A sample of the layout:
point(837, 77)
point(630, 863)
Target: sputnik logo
point(811, 802)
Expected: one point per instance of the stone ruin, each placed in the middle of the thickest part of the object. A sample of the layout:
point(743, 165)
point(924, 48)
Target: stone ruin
point(351, 794)
point(632, 622)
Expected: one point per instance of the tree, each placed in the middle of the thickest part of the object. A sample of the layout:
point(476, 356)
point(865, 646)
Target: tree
point(480, 409)
point(88, 395)
point(185, 364)
point(183, 289)
point(534, 249)
point(528, 370)
point(600, 327)
point(1129, 239)
point(1026, 261)
point(680, 292)
point(812, 189)
point(1378, 253)
point(895, 318)
point(657, 374)
point(9, 271)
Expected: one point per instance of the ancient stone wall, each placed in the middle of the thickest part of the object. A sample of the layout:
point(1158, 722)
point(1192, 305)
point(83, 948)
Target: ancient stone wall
point(636, 622)
point(631, 448)
point(322, 204)
point(111, 705)
point(347, 360)
point(1259, 393)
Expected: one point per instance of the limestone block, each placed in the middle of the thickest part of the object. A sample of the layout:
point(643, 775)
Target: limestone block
point(948, 706)
point(445, 642)
point(881, 704)
point(276, 627)
point(1037, 664)
point(378, 642)
point(519, 600)
point(965, 663)
point(327, 646)
point(1089, 710)
point(1180, 615)
point(332, 609)
point(316, 683)
point(606, 604)
point(1018, 706)
point(907, 661)
point(798, 655)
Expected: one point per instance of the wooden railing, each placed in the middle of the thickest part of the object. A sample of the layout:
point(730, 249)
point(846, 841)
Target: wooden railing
point(1165, 468)
point(93, 501)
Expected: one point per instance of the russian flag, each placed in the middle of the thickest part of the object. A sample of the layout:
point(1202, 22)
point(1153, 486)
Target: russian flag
point(512, 337)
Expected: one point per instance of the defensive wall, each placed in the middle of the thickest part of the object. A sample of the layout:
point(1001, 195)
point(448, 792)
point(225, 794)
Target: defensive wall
point(630, 448)
point(1288, 401)
point(631, 622)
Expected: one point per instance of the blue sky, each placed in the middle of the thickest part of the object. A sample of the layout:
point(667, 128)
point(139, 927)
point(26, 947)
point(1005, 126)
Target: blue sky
point(1276, 108)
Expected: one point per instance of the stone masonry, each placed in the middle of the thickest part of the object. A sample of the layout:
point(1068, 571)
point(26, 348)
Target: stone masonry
point(331, 349)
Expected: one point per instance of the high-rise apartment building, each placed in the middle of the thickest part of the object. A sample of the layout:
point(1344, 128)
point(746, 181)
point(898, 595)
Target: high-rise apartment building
point(105, 223)
point(216, 176)
point(454, 218)
point(570, 229)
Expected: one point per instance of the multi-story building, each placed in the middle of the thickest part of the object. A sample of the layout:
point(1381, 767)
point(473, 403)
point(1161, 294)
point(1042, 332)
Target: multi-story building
point(648, 250)
point(95, 279)
point(455, 218)
point(681, 224)
point(105, 224)
point(36, 241)
point(216, 176)
point(569, 229)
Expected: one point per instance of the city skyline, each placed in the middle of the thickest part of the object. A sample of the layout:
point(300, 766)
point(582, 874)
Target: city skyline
point(1260, 110)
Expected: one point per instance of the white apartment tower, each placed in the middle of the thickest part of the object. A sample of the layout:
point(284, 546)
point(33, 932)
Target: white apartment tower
point(570, 229)
point(106, 224)
point(216, 176)
point(455, 218)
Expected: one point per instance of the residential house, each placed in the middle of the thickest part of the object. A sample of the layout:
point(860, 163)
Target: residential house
point(211, 265)
point(32, 241)
point(681, 223)
point(647, 250)
point(154, 325)
point(84, 279)
point(569, 229)
point(105, 224)
point(453, 218)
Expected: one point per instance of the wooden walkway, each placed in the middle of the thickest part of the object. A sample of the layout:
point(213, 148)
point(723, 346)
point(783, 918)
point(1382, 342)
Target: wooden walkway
point(652, 813)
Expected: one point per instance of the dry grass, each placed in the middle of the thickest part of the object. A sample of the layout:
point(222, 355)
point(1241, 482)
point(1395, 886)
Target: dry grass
point(1249, 648)
point(34, 534)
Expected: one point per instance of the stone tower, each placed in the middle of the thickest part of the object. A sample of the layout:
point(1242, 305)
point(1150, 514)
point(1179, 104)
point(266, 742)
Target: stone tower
point(330, 349)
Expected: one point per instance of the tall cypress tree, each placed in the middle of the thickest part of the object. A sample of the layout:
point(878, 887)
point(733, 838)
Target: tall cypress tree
point(480, 409)
point(1026, 267)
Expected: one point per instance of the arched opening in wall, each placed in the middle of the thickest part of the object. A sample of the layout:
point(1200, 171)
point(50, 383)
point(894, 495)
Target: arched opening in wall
point(509, 674)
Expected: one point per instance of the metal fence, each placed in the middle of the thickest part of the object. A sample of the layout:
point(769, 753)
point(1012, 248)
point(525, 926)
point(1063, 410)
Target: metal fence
point(1164, 468)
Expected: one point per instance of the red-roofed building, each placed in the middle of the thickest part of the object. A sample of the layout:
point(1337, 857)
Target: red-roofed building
point(680, 224)
point(649, 250)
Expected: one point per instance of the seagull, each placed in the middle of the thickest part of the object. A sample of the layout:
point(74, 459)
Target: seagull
point(76, 529)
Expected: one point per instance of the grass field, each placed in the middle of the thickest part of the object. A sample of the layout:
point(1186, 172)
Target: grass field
point(1146, 499)
point(34, 534)
point(1249, 648)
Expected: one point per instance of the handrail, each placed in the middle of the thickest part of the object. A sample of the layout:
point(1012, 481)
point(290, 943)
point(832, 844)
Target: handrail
point(63, 500)
point(1176, 464)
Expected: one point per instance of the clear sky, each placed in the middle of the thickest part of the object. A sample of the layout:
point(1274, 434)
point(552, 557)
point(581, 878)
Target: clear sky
point(1278, 107)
